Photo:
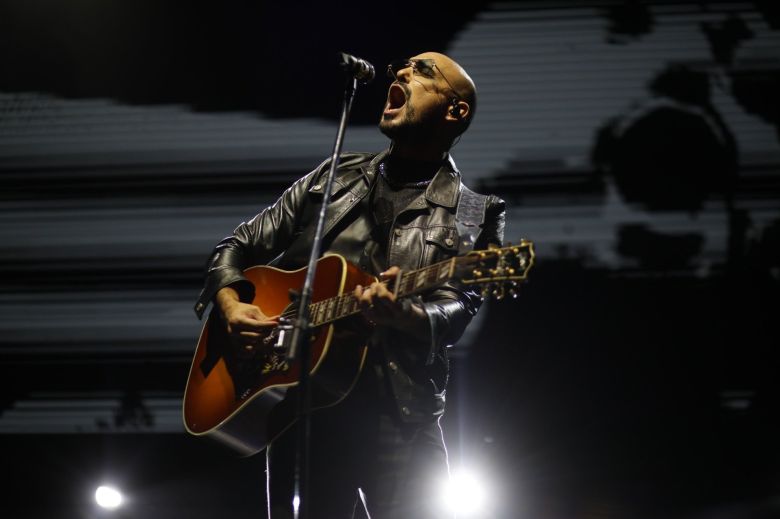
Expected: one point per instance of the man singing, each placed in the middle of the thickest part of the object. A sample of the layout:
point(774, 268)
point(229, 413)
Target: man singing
point(381, 448)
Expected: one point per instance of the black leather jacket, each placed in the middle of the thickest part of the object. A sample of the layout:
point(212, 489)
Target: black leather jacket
point(424, 233)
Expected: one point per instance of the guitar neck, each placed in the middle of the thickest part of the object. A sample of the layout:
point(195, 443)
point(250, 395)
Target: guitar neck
point(407, 284)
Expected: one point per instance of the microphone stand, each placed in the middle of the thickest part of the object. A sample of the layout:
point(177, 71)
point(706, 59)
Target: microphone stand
point(300, 345)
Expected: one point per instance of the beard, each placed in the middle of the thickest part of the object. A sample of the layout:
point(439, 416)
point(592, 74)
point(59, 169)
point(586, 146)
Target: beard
point(412, 126)
point(406, 128)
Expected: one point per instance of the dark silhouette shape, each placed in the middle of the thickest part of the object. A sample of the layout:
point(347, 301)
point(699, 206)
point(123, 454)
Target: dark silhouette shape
point(770, 9)
point(132, 412)
point(628, 21)
point(658, 251)
point(763, 256)
point(756, 90)
point(724, 37)
point(673, 151)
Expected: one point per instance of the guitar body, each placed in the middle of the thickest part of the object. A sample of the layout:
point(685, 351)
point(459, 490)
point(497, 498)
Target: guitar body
point(238, 397)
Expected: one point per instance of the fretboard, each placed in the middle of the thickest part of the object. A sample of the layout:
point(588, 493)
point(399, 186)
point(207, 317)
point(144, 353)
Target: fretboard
point(410, 283)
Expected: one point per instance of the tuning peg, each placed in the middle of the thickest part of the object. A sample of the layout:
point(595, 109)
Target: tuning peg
point(477, 273)
point(513, 293)
point(485, 292)
point(498, 293)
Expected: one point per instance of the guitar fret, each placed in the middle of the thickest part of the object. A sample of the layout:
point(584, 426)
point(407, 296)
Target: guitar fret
point(406, 280)
point(320, 312)
point(409, 283)
point(318, 317)
point(444, 270)
point(430, 274)
point(329, 309)
point(350, 304)
point(401, 285)
point(420, 281)
point(334, 308)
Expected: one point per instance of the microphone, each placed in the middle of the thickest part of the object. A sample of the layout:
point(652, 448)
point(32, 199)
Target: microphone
point(360, 69)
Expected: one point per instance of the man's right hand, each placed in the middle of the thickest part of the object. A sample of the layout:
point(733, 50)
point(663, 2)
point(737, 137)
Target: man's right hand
point(246, 324)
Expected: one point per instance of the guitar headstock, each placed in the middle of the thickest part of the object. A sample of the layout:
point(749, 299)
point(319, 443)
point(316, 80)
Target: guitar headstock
point(498, 270)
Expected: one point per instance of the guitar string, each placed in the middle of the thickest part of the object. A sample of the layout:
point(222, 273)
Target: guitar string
point(405, 278)
point(407, 284)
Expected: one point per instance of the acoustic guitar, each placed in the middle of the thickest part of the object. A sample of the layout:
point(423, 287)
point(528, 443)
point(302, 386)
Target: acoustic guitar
point(237, 396)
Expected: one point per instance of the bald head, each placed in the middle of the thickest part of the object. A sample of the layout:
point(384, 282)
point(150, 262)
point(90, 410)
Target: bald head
point(430, 103)
point(454, 78)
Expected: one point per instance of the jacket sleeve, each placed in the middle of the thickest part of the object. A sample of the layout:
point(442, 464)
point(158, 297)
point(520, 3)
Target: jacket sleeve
point(254, 242)
point(451, 306)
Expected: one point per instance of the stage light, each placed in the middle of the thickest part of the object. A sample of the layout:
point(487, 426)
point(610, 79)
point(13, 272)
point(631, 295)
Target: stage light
point(464, 494)
point(108, 497)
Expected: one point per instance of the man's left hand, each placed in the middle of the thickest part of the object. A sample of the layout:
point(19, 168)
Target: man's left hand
point(379, 306)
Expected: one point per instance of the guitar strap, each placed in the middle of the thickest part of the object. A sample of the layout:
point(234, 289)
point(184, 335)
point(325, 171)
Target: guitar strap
point(469, 218)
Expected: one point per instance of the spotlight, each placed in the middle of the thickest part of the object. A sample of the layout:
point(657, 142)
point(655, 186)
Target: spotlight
point(464, 494)
point(108, 497)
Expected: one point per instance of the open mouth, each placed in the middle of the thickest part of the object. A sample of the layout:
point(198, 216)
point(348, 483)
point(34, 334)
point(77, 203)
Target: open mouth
point(396, 98)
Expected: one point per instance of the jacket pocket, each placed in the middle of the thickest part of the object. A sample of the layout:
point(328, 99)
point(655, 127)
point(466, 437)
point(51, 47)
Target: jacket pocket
point(441, 242)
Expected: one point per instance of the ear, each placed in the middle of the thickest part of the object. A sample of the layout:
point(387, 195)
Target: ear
point(459, 110)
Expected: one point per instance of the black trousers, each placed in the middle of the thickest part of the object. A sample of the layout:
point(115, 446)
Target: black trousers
point(359, 448)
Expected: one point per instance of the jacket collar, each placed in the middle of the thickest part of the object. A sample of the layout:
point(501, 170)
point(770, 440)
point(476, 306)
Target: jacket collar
point(443, 189)
point(445, 186)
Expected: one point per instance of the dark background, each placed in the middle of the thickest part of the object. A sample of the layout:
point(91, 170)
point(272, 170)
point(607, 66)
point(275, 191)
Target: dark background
point(636, 374)
point(274, 57)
